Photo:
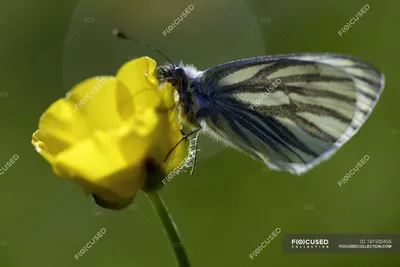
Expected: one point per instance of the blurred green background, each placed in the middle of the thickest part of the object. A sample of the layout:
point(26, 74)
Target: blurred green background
point(231, 203)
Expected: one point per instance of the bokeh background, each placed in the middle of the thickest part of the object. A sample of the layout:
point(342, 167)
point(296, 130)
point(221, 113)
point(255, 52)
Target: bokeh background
point(231, 203)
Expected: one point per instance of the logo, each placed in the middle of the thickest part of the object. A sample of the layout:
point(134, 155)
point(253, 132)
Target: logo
point(310, 243)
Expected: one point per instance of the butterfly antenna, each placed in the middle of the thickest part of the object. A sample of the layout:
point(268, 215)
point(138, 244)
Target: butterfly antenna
point(123, 36)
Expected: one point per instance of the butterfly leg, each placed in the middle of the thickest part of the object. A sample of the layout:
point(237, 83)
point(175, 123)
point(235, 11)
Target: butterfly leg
point(180, 141)
point(195, 153)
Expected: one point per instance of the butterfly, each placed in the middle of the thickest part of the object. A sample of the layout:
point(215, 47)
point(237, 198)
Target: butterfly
point(290, 112)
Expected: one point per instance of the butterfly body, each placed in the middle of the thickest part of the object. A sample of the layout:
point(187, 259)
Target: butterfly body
point(290, 112)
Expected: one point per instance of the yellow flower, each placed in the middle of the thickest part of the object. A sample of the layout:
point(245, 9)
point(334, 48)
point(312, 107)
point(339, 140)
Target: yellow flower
point(112, 134)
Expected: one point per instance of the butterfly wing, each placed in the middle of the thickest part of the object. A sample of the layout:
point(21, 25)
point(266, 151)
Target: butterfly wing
point(289, 111)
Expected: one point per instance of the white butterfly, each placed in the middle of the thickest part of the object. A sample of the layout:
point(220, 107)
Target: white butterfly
point(289, 111)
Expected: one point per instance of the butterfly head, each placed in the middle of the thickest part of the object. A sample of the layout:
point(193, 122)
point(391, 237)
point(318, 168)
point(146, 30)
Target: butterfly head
point(172, 74)
point(177, 76)
point(178, 73)
point(181, 77)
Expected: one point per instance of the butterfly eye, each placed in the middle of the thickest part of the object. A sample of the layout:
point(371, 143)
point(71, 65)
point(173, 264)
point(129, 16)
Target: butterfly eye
point(179, 73)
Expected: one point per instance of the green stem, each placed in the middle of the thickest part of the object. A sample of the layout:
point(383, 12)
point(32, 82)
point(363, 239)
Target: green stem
point(169, 228)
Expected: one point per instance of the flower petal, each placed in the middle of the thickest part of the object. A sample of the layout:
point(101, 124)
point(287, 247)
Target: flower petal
point(167, 95)
point(138, 73)
point(59, 127)
point(104, 102)
point(98, 164)
point(139, 77)
point(109, 133)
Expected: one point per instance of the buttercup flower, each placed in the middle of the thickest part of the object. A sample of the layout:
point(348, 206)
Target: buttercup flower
point(112, 134)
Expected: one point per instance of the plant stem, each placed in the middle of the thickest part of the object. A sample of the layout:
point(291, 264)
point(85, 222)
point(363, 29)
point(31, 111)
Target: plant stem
point(169, 228)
